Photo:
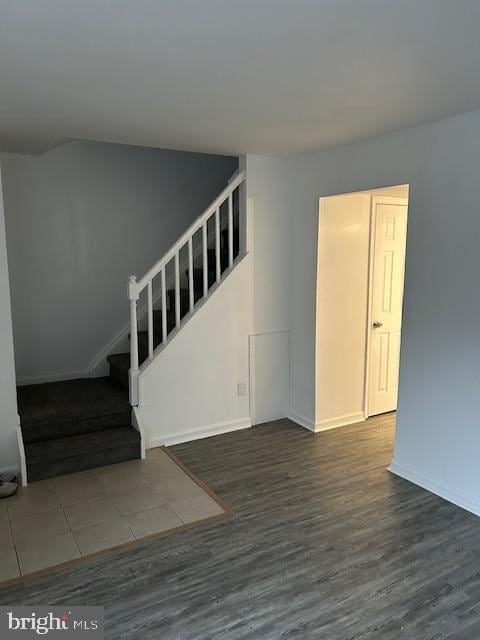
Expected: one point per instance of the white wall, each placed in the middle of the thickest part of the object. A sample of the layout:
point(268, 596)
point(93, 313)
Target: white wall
point(8, 397)
point(269, 234)
point(342, 297)
point(80, 220)
point(438, 437)
point(190, 391)
point(270, 243)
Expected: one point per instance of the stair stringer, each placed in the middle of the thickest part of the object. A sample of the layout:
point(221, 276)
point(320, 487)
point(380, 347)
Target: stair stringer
point(21, 455)
point(137, 423)
point(190, 388)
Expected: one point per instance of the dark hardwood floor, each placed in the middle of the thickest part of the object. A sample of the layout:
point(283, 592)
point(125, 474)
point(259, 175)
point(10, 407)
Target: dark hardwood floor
point(324, 544)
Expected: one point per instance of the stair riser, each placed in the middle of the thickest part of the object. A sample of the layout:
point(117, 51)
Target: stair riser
point(41, 433)
point(82, 462)
point(119, 375)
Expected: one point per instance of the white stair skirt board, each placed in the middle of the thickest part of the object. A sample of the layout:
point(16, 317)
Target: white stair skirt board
point(199, 433)
point(21, 454)
point(470, 504)
point(137, 423)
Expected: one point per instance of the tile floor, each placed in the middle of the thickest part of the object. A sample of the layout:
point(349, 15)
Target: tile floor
point(69, 517)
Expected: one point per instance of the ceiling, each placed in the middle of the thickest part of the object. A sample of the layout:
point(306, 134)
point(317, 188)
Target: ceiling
point(232, 76)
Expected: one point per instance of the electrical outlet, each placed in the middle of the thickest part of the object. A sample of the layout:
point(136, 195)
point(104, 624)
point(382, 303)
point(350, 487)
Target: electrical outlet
point(241, 389)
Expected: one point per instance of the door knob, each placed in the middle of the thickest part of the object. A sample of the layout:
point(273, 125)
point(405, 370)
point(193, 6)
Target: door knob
point(377, 324)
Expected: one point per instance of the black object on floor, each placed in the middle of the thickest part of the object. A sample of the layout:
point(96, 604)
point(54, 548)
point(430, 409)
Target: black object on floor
point(7, 489)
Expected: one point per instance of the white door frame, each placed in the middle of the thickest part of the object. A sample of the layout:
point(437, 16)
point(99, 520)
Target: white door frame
point(368, 336)
point(371, 264)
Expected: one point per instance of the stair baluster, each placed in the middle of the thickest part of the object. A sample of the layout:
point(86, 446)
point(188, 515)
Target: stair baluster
point(191, 292)
point(133, 294)
point(164, 307)
point(217, 243)
point(205, 259)
point(150, 319)
point(230, 229)
point(177, 289)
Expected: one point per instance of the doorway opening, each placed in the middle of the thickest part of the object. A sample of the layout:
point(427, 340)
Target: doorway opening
point(359, 300)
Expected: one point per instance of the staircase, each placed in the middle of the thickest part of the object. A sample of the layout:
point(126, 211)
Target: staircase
point(75, 425)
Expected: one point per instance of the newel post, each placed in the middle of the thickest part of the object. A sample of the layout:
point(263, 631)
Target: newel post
point(133, 295)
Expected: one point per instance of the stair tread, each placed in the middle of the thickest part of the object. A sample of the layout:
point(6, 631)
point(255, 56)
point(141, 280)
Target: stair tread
point(70, 400)
point(50, 450)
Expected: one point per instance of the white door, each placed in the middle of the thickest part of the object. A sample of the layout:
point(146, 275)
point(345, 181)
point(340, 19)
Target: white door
point(389, 234)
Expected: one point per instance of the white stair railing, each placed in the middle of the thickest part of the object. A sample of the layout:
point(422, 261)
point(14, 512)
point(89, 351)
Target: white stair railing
point(135, 287)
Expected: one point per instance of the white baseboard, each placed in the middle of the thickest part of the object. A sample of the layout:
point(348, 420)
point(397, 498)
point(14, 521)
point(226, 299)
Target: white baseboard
point(197, 434)
point(56, 377)
point(301, 420)
point(326, 425)
point(341, 421)
point(471, 504)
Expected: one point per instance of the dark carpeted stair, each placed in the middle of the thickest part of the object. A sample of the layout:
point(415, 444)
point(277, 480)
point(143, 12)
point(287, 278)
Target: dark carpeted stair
point(75, 425)
point(82, 424)
point(77, 453)
point(70, 408)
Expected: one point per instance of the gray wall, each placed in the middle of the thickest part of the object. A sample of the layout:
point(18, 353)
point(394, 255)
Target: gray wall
point(8, 398)
point(438, 433)
point(80, 220)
